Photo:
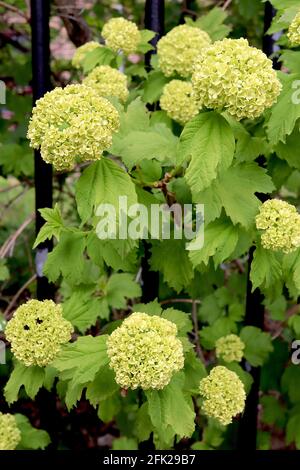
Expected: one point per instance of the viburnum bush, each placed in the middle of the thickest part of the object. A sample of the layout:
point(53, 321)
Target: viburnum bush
point(209, 122)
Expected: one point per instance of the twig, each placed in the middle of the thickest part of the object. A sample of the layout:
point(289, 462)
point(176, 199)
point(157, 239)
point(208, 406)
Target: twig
point(180, 301)
point(226, 4)
point(13, 186)
point(196, 330)
point(17, 295)
point(12, 238)
point(15, 10)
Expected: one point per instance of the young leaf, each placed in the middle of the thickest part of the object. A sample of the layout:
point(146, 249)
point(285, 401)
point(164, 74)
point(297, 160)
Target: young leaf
point(266, 268)
point(213, 24)
point(52, 227)
point(258, 345)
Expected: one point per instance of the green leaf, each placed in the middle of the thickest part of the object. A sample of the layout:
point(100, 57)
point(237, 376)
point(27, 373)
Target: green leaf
point(100, 56)
point(273, 411)
point(266, 268)
point(82, 359)
point(170, 258)
point(291, 60)
point(194, 371)
point(102, 183)
point(109, 408)
point(146, 36)
point(221, 327)
point(209, 141)
point(121, 286)
point(290, 383)
point(82, 309)
point(67, 258)
point(151, 308)
point(213, 24)
point(258, 345)
point(289, 150)
point(286, 111)
point(125, 443)
point(221, 238)
point(181, 319)
point(31, 378)
point(169, 408)
point(245, 377)
point(103, 386)
point(143, 426)
point(293, 430)
point(31, 438)
point(154, 86)
point(16, 159)
point(52, 227)
point(4, 272)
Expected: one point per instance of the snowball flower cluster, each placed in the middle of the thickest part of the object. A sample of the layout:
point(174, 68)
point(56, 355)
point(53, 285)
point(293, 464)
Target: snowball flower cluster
point(10, 435)
point(108, 81)
point(82, 51)
point(144, 352)
point(72, 124)
point(294, 31)
point(224, 395)
point(230, 75)
point(37, 331)
point(281, 224)
point(230, 348)
point(121, 35)
point(178, 49)
point(178, 102)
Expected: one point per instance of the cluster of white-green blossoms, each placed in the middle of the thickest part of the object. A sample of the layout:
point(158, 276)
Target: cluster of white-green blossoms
point(230, 348)
point(121, 35)
point(224, 395)
point(280, 222)
point(10, 435)
point(71, 125)
point(145, 352)
point(37, 331)
point(179, 48)
point(178, 101)
point(108, 81)
point(230, 75)
point(82, 51)
point(294, 31)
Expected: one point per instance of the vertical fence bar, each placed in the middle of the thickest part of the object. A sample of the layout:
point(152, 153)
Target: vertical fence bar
point(155, 21)
point(247, 437)
point(40, 13)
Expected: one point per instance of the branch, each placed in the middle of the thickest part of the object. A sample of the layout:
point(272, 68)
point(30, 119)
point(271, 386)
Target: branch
point(196, 330)
point(226, 4)
point(9, 243)
point(17, 295)
point(15, 10)
point(179, 301)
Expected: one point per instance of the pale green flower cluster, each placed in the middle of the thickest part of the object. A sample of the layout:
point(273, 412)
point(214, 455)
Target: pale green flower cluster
point(230, 348)
point(281, 224)
point(121, 35)
point(82, 51)
point(224, 395)
point(72, 124)
point(230, 75)
point(178, 102)
point(108, 81)
point(294, 31)
point(10, 435)
point(144, 352)
point(37, 331)
point(179, 48)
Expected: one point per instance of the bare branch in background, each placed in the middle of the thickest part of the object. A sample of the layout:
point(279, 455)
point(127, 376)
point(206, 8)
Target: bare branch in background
point(16, 10)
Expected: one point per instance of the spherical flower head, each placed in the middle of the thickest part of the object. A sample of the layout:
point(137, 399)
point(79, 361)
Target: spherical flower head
point(230, 75)
point(294, 31)
point(230, 348)
point(72, 124)
point(178, 102)
point(108, 82)
point(121, 35)
point(224, 395)
point(145, 352)
point(82, 51)
point(280, 222)
point(10, 435)
point(178, 49)
point(37, 331)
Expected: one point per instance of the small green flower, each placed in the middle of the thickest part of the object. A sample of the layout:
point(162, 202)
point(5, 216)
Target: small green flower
point(72, 124)
point(294, 31)
point(230, 348)
point(231, 76)
point(224, 395)
point(178, 102)
point(108, 82)
point(37, 331)
point(179, 48)
point(121, 35)
point(280, 223)
point(82, 51)
point(10, 435)
point(145, 352)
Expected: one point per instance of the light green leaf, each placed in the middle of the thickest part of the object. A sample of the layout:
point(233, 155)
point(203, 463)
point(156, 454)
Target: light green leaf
point(221, 327)
point(100, 56)
point(213, 24)
point(121, 286)
point(52, 227)
point(31, 438)
point(32, 378)
point(265, 268)
point(103, 386)
point(181, 319)
point(4, 272)
point(209, 141)
point(258, 345)
point(154, 86)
